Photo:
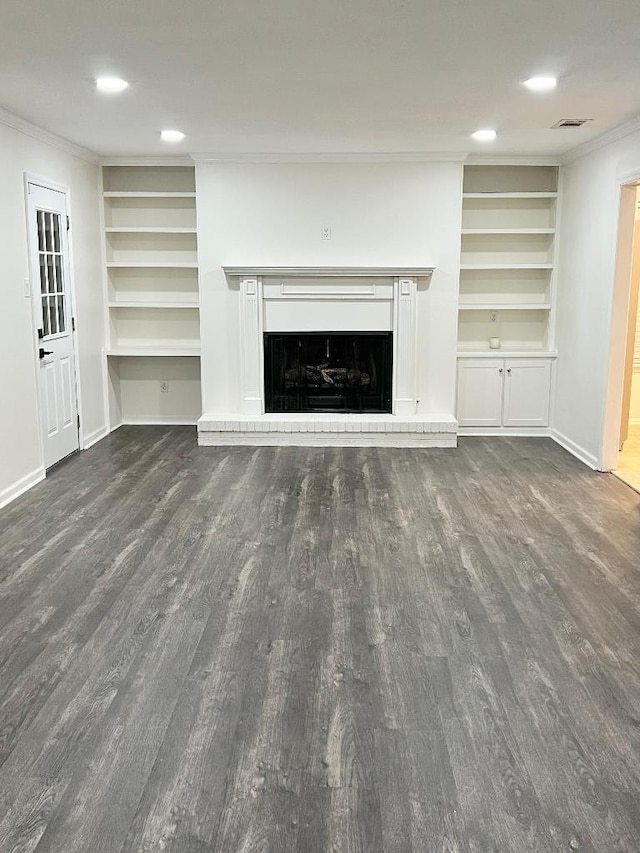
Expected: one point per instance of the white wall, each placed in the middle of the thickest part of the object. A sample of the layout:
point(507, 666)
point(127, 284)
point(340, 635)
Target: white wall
point(586, 271)
point(379, 214)
point(20, 444)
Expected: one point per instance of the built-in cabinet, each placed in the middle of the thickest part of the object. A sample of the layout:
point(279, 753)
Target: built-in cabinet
point(506, 298)
point(153, 324)
point(504, 392)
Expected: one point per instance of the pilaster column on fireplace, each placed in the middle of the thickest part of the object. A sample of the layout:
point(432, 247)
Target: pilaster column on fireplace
point(251, 341)
point(404, 345)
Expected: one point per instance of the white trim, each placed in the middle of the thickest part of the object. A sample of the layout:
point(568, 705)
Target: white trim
point(157, 420)
point(507, 432)
point(20, 486)
point(345, 157)
point(515, 160)
point(575, 449)
point(606, 138)
point(329, 272)
point(21, 125)
point(178, 160)
point(94, 437)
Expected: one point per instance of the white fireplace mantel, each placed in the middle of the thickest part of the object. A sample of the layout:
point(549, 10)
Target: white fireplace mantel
point(332, 299)
point(385, 293)
point(330, 272)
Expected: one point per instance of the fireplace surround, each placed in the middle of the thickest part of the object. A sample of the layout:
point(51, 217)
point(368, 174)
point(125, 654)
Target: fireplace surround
point(349, 301)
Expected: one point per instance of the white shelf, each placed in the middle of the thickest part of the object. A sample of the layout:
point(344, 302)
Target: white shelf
point(490, 195)
point(506, 352)
point(149, 304)
point(139, 229)
point(153, 265)
point(504, 306)
point(116, 194)
point(480, 231)
point(154, 352)
point(506, 266)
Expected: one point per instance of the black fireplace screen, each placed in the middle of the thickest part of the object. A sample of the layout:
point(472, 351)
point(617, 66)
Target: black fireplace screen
point(332, 372)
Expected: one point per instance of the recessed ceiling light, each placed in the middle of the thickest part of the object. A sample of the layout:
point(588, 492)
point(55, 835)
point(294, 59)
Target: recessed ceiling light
point(171, 135)
point(541, 84)
point(112, 85)
point(484, 135)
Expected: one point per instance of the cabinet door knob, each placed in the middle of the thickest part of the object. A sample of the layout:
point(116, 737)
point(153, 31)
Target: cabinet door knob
point(499, 370)
point(508, 370)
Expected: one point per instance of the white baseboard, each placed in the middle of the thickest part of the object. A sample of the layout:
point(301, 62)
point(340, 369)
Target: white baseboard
point(22, 485)
point(159, 420)
point(575, 449)
point(513, 432)
point(93, 437)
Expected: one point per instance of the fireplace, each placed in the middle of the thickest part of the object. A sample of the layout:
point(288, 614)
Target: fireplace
point(355, 385)
point(328, 372)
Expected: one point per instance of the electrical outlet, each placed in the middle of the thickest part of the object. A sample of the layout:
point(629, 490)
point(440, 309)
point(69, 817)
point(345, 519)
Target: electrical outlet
point(325, 233)
point(493, 316)
point(164, 387)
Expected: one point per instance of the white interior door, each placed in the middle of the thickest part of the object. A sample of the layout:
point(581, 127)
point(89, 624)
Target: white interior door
point(51, 297)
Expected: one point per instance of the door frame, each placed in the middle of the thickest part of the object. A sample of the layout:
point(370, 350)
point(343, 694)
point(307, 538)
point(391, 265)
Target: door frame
point(46, 183)
point(612, 415)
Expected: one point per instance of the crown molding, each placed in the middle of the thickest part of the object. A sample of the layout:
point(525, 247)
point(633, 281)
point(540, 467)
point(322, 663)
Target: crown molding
point(179, 160)
point(607, 138)
point(347, 157)
point(515, 160)
point(21, 125)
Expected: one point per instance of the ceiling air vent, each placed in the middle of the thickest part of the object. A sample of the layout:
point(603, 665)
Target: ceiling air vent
point(571, 122)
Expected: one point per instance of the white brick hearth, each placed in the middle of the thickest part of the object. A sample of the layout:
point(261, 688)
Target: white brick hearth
point(328, 430)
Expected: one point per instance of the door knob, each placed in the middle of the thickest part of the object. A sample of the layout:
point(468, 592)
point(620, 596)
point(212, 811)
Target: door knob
point(42, 352)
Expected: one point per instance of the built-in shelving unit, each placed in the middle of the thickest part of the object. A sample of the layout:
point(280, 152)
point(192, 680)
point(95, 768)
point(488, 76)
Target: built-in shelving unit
point(506, 293)
point(507, 257)
point(153, 324)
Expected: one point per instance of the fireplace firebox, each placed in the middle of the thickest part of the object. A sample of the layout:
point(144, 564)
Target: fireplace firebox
point(337, 372)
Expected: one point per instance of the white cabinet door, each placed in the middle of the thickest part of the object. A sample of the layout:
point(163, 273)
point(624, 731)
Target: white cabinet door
point(526, 392)
point(480, 382)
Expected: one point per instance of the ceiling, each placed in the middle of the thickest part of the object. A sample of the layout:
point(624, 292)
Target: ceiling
point(330, 76)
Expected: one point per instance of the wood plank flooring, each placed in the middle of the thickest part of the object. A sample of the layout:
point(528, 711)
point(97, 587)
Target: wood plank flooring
point(304, 649)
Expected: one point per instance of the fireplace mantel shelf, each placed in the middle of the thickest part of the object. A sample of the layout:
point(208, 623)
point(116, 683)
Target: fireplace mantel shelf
point(329, 272)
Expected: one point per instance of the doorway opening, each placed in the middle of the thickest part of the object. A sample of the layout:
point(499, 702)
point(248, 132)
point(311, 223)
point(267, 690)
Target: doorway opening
point(622, 434)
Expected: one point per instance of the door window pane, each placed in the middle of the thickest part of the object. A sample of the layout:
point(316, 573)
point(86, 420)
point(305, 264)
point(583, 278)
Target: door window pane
point(52, 282)
point(61, 319)
point(40, 222)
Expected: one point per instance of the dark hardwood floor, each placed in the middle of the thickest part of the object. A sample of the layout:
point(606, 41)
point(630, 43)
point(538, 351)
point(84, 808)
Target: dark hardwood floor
point(302, 649)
